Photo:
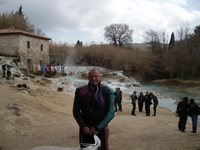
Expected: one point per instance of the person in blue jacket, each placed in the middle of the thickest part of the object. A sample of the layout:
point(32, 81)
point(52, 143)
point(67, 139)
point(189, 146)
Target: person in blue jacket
point(133, 100)
point(93, 109)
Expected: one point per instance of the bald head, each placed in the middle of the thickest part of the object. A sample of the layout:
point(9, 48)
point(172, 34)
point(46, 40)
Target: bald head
point(94, 76)
point(93, 69)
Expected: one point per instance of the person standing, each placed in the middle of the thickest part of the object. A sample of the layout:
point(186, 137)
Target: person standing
point(9, 73)
point(140, 101)
point(133, 99)
point(93, 108)
point(182, 110)
point(120, 101)
point(4, 70)
point(147, 99)
point(155, 103)
point(117, 99)
point(193, 113)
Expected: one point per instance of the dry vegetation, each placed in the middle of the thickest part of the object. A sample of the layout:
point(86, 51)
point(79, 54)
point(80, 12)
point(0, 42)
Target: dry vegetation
point(133, 62)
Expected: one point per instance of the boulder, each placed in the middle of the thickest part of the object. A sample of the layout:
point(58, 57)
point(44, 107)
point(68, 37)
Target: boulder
point(32, 76)
point(16, 74)
point(121, 79)
point(47, 80)
point(65, 83)
point(132, 79)
point(60, 89)
point(107, 74)
point(84, 75)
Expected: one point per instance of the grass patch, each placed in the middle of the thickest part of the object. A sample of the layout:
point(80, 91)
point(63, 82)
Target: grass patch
point(40, 72)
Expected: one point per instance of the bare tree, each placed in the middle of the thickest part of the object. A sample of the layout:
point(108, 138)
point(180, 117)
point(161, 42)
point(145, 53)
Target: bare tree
point(152, 37)
point(40, 32)
point(119, 34)
point(163, 37)
point(183, 31)
point(158, 40)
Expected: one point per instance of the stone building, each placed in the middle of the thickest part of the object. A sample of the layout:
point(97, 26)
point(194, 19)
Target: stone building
point(32, 49)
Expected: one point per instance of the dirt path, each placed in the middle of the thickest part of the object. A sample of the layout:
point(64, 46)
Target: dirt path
point(45, 119)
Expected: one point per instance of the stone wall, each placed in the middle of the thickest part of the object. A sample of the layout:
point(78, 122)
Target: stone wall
point(16, 44)
point(9, 44)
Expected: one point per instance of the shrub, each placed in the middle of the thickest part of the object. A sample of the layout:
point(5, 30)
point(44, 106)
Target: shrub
point(40, 72)
point(50, 74)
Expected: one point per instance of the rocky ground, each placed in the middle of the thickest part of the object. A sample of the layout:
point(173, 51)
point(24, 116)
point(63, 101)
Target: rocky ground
point(37, 116)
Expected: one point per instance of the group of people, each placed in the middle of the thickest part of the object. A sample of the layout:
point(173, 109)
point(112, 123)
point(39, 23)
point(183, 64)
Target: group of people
point(141, 100)
point(144, 99)
point(95, 105)
point(7, 74)
point(183, 110)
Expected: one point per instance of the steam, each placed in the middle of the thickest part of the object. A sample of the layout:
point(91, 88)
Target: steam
point(70, 60)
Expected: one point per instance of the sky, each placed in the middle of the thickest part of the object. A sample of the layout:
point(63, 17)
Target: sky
point(84, 20)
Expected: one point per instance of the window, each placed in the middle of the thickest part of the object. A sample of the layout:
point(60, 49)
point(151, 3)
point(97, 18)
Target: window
point(28, 44)
point(41, 47)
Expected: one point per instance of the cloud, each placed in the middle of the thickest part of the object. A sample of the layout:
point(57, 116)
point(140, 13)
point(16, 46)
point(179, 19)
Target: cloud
point(85, 20)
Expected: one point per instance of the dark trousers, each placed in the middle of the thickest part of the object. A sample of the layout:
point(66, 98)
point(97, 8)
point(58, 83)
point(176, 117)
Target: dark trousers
point(154, 108)
point(182, 122)
point(147, 108)
point(140, 105)
point(4, 73)
point(103, 136)
point(194, 120)
point(133, 110)
point(118, 102)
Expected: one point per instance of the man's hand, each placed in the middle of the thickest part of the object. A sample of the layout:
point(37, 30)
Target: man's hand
point(94, 131)
point(87, 130)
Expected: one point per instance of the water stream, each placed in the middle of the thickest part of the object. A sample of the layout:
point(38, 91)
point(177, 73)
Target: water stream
point(166, 94)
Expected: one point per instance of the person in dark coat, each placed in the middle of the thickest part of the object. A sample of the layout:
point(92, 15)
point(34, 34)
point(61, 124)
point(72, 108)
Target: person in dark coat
point(4, 70)
point(183, 110)
point(155, 103)
point(93, 109)
point(118, 100)
point(140, 101)
point(148, 103)
point(193, 113)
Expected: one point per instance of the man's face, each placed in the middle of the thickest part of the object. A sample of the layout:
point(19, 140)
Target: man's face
point(94, 77)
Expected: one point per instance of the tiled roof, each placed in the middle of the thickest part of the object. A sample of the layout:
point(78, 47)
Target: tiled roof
point(12, 30)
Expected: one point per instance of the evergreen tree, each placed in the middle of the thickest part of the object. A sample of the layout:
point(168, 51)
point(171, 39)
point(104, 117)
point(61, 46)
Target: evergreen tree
point(19, 21)
point(19, 12)
point(79, 43)
point(172, 41)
